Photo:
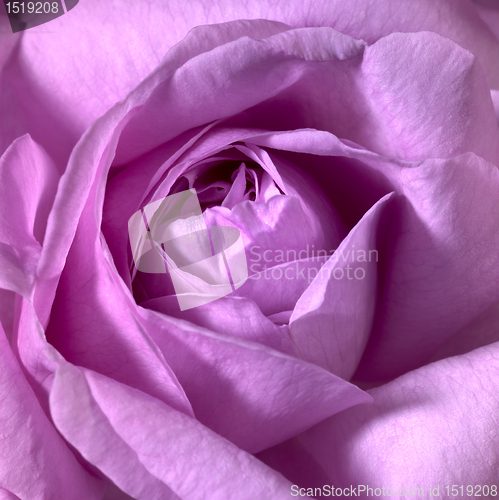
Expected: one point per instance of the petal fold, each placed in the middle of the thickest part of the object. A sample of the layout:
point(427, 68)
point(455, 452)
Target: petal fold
point(435, 426)
point(35, 462)
point(273, 395)
point(148, 449)
point(332, 320)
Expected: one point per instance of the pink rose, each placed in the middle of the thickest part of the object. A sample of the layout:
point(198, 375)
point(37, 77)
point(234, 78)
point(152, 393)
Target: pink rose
point(352, 154)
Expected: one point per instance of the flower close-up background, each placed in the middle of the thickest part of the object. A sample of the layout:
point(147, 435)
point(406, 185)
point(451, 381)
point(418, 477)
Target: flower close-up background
point(348, 152)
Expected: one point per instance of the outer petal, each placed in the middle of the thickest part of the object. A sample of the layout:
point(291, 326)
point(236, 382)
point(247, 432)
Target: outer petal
point(28, 181)
point(35, 462)
point(13, 127)
point(413, 107)
point(415, 117)
point(137, 361)
point(96, 53)
point(94, 323)
point(99, 51)
point(495, 100)
point(234, 316)
point(333, 318)
point(489, 13)
point(151, 451)
point(426, 297)
point(444, 265)
point(93, 320)
point(27, 187)
point(435, 426)
point(273, 395)
point(88, 158)
point(481, 331)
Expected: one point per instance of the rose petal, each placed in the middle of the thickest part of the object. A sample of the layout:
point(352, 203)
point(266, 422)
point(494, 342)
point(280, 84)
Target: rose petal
point(433, 426)
point(35, 461)
point(333, 318)
point(148, 449)
point(89, 281)
point(353, 178)
point(27, 187)
point(28, 183)
point(444, 265)
point(414, 108)
point(89, 159)
point(413, 118)
point(262, 61)
point(97, 53)
point(489, 14)
point(233, 316)
point(481, 331)
point(13, 127)
point(276, 289)
point(428, 298)
point(114, 493)
point(7, 307)
point(131, 42)
point(282, 224)
point(94, 323)
point(273, 395)
point(125, 190)
point(295, 463)
point(237, 190)
point(8, 495)
point(495, 99)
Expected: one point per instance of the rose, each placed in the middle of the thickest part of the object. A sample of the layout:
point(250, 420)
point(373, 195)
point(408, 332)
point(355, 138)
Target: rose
point(134, 374)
